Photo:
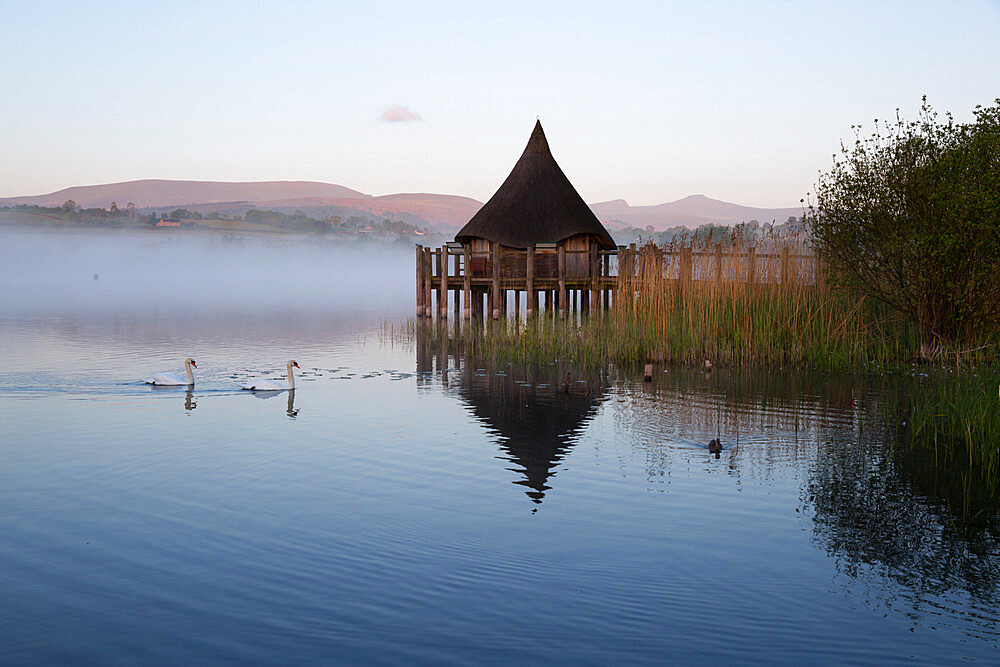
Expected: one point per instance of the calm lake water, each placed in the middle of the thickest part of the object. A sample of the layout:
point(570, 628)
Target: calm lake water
point(408, 505)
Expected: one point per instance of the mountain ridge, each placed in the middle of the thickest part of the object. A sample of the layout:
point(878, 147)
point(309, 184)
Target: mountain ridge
point(445, 212)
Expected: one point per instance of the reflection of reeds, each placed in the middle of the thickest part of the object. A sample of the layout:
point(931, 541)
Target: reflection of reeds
point(955, 421)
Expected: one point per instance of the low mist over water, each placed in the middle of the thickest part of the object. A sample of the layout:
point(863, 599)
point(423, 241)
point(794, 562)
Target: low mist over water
point(90, 270)
point(410, 503)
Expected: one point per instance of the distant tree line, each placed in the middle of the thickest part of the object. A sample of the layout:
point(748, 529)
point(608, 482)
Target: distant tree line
point(297, 221)
point(707, 234)
point(70, 210)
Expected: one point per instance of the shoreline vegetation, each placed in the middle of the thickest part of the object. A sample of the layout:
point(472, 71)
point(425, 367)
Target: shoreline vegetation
point(788, 316)
point(256, 222)
point(949, 404)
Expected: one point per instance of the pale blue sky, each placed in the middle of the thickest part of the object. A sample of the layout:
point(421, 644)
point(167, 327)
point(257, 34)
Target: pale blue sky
point(646, 101)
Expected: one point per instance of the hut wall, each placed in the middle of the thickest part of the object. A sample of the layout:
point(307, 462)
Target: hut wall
point(577, 256)
point(513, 264)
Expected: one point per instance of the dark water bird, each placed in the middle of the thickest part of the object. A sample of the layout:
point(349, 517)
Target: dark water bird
point(173, 379)
point(715, 447)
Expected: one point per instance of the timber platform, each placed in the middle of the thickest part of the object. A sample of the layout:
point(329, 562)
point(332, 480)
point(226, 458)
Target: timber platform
point(550, 278)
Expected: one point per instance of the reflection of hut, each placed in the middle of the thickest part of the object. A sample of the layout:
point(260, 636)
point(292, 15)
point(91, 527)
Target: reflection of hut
point(536, 413)
point(538, 205)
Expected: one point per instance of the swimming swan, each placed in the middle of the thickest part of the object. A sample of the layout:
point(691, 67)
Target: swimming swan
point(173, 379)
point(271, 385)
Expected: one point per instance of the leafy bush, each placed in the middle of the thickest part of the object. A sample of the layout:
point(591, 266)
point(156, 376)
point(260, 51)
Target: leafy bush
point(910, 215)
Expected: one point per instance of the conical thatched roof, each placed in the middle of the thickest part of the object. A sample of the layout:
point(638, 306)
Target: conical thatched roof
point(536, 204)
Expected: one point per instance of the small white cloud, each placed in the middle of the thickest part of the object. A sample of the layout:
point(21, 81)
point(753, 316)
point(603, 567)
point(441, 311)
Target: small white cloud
point(398, 114)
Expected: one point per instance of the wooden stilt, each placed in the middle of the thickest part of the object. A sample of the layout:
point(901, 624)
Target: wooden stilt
point(496, 305)
point(443, 294)
point(531, 297)
point(595, 276)
point(467, 282)
point(420, 281)
point(562, 280)
point(428, 312)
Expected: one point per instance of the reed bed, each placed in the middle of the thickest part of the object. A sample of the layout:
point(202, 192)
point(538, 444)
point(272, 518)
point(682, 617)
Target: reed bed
point(768, 304)
point(730, 303)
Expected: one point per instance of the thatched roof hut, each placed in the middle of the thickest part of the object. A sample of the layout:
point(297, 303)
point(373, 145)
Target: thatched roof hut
point(536, 204)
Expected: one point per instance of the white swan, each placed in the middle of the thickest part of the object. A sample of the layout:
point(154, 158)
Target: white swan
point(271, 385)
point(173, 379)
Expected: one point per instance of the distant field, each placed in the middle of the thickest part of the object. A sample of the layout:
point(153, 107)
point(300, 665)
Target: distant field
point(30, 219)
point(25, 218)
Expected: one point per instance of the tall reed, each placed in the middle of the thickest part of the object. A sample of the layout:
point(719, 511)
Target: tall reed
point(732, 303)
point(739, 303)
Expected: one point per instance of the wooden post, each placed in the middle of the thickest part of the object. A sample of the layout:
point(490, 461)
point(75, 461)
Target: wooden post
point(477, 303)
point(606, 273)
point(786, 268)
point(443, 294)
point(631, 282)
point(594, 273)
point(622, 274)
point(686, 266)
point(718, 264)
point(819, 272)
point(420, 281)
point(562, 279)
point(531, 297)
point(751, 265)
point(428, 271)
point(517, 304)
point(495, 306)
point(467, 282)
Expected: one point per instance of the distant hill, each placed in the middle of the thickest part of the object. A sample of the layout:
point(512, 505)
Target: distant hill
point(690, 211)
point(163, 193)
point(446, 213)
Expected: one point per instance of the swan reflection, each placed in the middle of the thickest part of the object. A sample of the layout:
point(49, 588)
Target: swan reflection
point(290, 410)
point(189, 402)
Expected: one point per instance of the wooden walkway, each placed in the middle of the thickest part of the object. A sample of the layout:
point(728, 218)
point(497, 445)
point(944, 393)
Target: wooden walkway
point(555, 280)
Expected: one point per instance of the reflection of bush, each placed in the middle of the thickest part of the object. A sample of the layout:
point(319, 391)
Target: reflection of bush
point(893, 509)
